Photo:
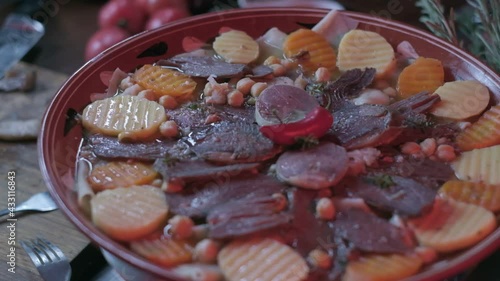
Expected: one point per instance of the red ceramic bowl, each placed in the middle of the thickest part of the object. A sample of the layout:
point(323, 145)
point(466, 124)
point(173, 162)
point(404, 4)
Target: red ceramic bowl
point(57, 150)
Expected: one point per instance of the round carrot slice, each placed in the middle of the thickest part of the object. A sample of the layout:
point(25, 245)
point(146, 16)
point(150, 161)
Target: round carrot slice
point(129, 213)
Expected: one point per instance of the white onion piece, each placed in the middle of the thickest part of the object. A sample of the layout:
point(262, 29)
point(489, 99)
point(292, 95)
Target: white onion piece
point(334, 25)
point(283, 104)
point(114, 81)
point(406, 50)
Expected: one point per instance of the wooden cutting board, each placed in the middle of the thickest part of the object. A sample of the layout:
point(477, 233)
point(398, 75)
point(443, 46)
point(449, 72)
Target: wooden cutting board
point(24, 106)
point(21, 157)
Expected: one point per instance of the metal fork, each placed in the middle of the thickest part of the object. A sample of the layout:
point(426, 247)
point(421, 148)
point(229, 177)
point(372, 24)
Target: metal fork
point(48, 259)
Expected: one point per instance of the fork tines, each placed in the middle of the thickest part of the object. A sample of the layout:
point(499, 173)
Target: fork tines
point(42, 251)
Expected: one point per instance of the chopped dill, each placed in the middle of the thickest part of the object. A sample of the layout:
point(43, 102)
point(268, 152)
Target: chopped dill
point(382, 181)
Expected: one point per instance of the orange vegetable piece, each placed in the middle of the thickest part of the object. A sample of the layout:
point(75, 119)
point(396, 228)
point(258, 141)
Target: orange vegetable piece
point(164, 81)
point(312, 50)
point(164, 251)
point(382, 267)
point(424, 74)
point(131, 213)
point(477, 193)
point(485, 132)
point(120, 174)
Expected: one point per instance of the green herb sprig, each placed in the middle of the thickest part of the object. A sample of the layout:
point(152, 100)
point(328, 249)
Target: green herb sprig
point(476, 29)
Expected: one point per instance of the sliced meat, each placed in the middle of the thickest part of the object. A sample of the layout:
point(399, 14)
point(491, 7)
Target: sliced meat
point(246, 113)
point(197, 202)
point(421, 131)
point(370, 233)
point(190, 115)
point(358, 126)
point(347, 86)
point(319, 167)
point(232, 142)
point(419, 103)
point(395, 194)
point(205, 66)
point(111, 148)
point(260, 71)
point(430, 173)
point(191, 170)
point(246, 216)
point(306, 232)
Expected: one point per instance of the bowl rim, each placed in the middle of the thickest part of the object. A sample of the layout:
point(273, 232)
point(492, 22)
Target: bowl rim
point(463, 261)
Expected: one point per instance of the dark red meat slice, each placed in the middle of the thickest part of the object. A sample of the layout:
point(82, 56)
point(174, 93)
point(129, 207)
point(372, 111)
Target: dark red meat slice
point(430, 173)
point(370, 233)
point(319, 167)
point(185, 171)
point(349, 85)
point(358, 126)
point(205, 66)
point(245, 216)
point(232, 142)
point(401, 195)
point(197, 202)
point(191, 115)
point(111, 148)
point(419, 103)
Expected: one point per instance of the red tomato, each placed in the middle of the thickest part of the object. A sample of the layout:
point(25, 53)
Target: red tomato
point(103, 39)
point(165, 16)
point(152, 6)
point(123, 13)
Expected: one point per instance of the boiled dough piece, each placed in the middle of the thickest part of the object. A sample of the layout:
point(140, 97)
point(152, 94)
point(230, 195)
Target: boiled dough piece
point(362, 49)
point(453, 225)
point(461, 100)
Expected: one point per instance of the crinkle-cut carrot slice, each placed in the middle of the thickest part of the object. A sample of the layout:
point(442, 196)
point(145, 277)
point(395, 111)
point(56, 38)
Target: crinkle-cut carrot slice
point(479, 165)
point(164, 81)
point(236, 46)
point(362, 49)
point(477, 193)
point(483, 133)
point(311, 49)
point(382, 267)
point(461, 100)
point(262, 259)
point(424, 74)
point(452, 225)
point(127, 117)
point(131, 213)
point(163, 250)
point(120, 174)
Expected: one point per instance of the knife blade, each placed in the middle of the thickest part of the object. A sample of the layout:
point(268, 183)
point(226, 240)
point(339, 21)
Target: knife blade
point(18, 34)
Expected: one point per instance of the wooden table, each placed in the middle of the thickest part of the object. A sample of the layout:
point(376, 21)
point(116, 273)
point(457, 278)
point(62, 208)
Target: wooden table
point(22, 158)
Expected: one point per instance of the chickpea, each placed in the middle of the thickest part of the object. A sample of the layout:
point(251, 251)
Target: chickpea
point(300, 82)
point(428, 146)
point(169, 129)
point(325, 209)
point(281, 201)
point(272, 60)
point(390, 91)
point(216, 97)
point(168, 102)
point(180, 227)
point(147, 94)
point(289, 64)
point(235, 98)
point(206, 251)
point(322, 74)
point(278, 69)
point(319, 258)
point(244, 85)
point(411, 148)
point(257, 88)
point(446, 152)
point(212, 118)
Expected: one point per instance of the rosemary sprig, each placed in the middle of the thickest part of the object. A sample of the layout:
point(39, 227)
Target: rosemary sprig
point(478, 24)
point(435, 20)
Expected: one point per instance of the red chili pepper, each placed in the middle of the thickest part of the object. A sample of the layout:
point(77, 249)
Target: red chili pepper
point(315, 124)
